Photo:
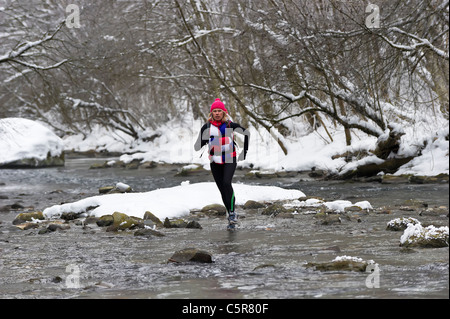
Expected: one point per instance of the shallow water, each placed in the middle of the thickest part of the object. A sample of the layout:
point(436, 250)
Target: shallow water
point(265, 258)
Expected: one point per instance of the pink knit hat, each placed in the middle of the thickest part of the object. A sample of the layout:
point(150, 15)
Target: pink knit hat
point(218, 105)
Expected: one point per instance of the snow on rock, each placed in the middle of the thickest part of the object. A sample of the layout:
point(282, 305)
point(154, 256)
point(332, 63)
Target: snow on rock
point(169, 202)
point(25, 143)
point(415, 235)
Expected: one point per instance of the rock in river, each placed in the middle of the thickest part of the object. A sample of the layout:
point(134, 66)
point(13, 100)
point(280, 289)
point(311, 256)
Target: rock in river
point(27, 217)
point(147, 232)
point(191, 255)
point(425, 237)
point(342, 263)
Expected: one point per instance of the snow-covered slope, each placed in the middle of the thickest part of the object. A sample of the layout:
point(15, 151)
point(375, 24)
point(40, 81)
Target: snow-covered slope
point(27, 143)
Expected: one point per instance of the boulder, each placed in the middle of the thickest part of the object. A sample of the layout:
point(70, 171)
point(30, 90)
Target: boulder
point(401, 223)
point(105, 221)
point(119, 188)
point(54, 226)
point(105, 189)
point(70, 216)
point(122, 222)
point(424, 237)
point(175, 223)
point(57, 226)
point(214, 209)
point(149, 216)
point(274, 210)
point(191, 255)
point(343, 263)
point(28, 217)
point(328, 219)
point(26, 226)
point(181, 223)
point(147, 232)
point(194, 224)
point(251, 204)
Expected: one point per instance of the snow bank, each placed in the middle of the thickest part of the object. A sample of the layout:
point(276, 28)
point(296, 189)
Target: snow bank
point(25, 139)
point(170, 202)
point(174, 140)
point(434, 159)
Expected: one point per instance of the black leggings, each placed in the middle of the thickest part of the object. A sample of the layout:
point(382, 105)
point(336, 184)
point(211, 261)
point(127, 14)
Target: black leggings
point(223, 174)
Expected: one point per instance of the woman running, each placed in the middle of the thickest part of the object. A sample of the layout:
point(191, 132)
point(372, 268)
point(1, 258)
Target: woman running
point(218, 133)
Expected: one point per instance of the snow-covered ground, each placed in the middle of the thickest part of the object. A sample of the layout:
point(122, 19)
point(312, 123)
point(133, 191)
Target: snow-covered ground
point(21, 138)
point(170, 202)
point(305, 150)
point(25, 139)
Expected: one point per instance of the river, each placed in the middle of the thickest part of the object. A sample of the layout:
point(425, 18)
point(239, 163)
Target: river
point(265, 258)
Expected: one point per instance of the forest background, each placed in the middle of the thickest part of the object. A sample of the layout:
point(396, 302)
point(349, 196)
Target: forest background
point(291, 68)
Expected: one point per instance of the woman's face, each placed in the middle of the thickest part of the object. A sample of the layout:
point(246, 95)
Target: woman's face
point(217, 114)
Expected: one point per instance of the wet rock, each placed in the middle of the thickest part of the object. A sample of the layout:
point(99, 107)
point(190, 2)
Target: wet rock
point(17, 206)
point(264, 266)
point(49, 161)
point(57, 280)
point(147, 232)
point(415, 203)
point(175, 223)
point(99, 165)
point(181, 223)
point(148, 165)
point(401, 223)
point(441, 178)
point(189, 170)
point(123, 188)
point(328, 219)
point(285, 215)
point(194, 224)
point(91, 220)
point(105, 189)
point(149, 216)
point(44, 231)
point(28, 217)
point(434, 211)
point(191, 255)
point(251, 204)
point(105, 221)
point(274, 210)
point(54, 227)
point(26, 226)
point(119, 188)
point(70, 216)
point(425, 237)
point(134, 164)
point(122, 222)
point(344, 263)
point(214, 209)
point(395, 179)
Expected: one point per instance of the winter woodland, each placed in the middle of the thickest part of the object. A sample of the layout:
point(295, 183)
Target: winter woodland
point(289, 68)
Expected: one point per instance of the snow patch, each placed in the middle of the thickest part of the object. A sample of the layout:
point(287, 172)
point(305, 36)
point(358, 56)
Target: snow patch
point(170, 202)
point(25, 139)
